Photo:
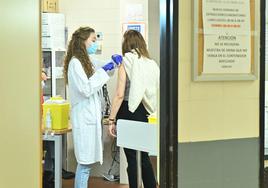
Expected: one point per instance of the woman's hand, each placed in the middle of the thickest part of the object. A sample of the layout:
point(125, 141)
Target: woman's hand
point(112, 128)
point(109, 67)
point(117, 59)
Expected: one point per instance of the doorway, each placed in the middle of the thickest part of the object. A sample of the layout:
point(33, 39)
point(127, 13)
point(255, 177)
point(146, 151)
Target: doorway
point(166, 53)
point(263, 95)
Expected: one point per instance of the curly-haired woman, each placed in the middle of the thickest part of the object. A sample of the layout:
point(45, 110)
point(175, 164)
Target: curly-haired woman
point(85, 79)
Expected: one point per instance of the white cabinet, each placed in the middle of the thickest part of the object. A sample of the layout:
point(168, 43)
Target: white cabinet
point(53, 66)
point(53, 45)
point(53, 53)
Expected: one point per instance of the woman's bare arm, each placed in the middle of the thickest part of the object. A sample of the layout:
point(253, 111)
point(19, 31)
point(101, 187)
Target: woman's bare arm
point(118, 98)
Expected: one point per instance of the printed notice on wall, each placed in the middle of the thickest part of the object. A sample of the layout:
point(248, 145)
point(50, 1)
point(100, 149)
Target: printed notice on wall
point(227, 36)
point(134, 12)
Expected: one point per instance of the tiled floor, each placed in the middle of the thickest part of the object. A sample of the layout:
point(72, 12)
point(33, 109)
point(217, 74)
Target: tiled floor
point(101, 183)
point(95, 183)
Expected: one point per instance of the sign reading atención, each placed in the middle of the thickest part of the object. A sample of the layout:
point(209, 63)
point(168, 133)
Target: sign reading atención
point(227, 36)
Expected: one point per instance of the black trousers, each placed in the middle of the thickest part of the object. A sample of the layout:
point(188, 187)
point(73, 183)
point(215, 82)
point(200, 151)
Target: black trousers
point(148, 177)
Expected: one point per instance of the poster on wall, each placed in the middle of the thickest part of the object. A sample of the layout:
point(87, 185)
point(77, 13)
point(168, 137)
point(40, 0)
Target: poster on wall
point(138, 26)
point(224, 40)
point(134, 12)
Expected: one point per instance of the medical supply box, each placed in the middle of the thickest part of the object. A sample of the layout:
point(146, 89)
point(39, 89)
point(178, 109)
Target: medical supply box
point(59, 110)
point(152, 119)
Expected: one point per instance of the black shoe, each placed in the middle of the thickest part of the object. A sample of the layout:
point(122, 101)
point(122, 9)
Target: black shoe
point(266, 177)
point(67, 175)
point(48, 179)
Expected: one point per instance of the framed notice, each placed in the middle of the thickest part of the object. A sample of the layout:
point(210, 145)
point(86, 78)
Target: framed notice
point(225, 44)
point(138, 26)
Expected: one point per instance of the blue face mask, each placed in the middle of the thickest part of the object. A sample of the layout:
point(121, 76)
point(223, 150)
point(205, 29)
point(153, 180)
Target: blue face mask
point(92, 49)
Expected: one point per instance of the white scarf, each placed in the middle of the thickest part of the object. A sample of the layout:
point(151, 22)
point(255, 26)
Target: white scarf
point(143, 74)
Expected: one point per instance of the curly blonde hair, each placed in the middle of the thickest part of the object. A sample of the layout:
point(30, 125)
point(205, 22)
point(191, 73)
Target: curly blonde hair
point(77, 48)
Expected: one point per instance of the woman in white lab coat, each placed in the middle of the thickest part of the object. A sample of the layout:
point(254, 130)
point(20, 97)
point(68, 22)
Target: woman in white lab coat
point(84, 83)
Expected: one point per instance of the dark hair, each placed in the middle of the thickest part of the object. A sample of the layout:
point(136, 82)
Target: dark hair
point(77, 48)
point(133, 40)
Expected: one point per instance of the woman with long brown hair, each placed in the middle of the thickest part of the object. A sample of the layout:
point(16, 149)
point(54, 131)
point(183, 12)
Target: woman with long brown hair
point(84, 82)
point(135, 99)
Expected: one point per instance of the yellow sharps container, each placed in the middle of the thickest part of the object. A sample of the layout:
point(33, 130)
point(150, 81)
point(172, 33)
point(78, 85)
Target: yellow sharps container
point(152, 119)
point(59, 110)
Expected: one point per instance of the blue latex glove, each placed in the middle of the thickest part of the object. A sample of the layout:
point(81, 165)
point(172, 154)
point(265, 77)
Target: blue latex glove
point(109, 66)
point(117, 59)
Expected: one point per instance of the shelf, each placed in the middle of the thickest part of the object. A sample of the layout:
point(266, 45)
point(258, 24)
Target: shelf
point(49, 78)
point(54, 49)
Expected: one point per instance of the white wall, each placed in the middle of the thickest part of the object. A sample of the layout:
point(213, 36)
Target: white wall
point(154, 29)
point(129, 12)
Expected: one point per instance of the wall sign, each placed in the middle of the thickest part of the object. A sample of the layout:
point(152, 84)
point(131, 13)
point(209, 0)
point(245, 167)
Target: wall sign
point(138, 26)
point(224, 40)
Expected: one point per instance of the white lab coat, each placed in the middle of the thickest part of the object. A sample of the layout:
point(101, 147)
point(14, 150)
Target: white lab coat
point(86, 115)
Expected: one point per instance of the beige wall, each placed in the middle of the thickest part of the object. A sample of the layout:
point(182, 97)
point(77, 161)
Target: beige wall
point(20, 137)
point(212, 110)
